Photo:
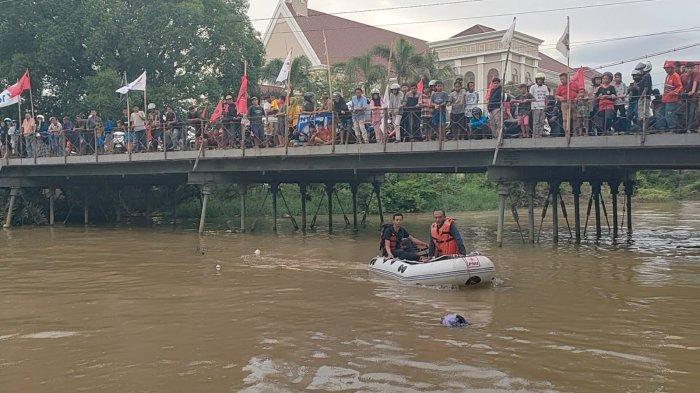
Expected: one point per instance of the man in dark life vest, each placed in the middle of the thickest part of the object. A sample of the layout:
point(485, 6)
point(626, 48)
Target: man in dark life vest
point(398, 243)
point(444, 236)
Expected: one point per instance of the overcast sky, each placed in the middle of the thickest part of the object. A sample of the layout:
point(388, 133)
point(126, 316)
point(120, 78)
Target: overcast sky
point(600, 23)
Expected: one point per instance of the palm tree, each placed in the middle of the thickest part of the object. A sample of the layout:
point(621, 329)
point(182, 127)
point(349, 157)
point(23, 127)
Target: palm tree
point(404, 59)
point(364, 68)
point(431, 68)
point(298, 74)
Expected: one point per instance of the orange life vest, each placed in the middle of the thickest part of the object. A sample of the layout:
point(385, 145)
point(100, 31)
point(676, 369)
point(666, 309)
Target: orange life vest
point(444, 243)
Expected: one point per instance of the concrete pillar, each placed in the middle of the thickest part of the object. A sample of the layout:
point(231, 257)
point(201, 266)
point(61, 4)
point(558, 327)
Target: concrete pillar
point(274, 187)
point(502, 194)
point(329, 192)
point(576, 190)
point(614, 186)
point(242, 190)
point(52, 197)
point(377, 191)
point(206, 191)
point(554, 192)
point(353, 190)
point(86, 211)
point(596, 204)
point(11, 207)
point(531, 211)
point(629, 190)
point(302, 191)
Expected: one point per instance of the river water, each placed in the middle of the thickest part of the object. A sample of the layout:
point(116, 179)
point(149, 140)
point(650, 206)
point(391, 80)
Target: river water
point(147, 310)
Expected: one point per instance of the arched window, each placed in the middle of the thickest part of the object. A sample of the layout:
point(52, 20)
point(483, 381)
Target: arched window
point(515, 76)
point(493, 73)
point(469, 77)
point(528, 78)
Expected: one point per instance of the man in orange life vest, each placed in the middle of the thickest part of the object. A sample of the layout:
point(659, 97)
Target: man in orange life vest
point(444, 236)
point(398, 243)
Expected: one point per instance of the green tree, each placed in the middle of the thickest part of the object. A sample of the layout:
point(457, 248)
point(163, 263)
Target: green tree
point(404, 59)
point(365, 69)
point(188, 47)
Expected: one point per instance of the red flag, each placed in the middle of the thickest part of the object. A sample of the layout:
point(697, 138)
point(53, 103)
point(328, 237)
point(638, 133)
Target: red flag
point(578, 81)
point(218, 111)
point(22, 84)
point(419, 86)
point(241, 100)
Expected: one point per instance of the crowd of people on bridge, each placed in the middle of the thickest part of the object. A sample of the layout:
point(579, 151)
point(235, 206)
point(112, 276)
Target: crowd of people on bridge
point(404, 113)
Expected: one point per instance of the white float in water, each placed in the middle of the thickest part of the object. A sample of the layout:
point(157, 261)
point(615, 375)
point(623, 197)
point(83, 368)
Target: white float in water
point(257, 253)
point(460, 270)
point(218, 267)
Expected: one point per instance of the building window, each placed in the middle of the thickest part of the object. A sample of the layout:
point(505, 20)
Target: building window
point(528, 77)
point(493, 73)
point(469, 77)
point(515, 77)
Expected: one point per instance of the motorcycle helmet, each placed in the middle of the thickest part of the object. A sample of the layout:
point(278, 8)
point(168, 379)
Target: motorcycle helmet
point(539, 75)
point(7, 120)
point(476, 112)
point(432, 83)
point(395, 86)
point(308, 96)
point(151, 106)
point(375, 91)
point(640, 66)
point(647, 66)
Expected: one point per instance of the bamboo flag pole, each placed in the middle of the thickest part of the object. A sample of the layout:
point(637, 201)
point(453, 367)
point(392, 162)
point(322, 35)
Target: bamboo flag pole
point(330, 92)
point(287, 103)
point(31, 97)
point(384, 132)
point(567, 127)
point(505, 68)
point(245, 74)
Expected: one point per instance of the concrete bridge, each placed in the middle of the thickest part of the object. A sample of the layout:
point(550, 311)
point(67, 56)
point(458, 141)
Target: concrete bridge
point(600, 159)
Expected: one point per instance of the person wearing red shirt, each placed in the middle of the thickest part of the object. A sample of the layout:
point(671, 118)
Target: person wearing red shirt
point(565, 94)
point(669, 99)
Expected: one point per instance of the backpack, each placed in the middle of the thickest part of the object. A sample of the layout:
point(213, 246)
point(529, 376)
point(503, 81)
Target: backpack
point(382, 229)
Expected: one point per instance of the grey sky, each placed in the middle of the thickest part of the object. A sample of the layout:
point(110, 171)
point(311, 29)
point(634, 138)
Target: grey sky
point(601, 23)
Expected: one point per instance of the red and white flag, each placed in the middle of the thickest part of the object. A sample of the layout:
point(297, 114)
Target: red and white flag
point(22, 84)
point(242, 98)
point(218, 111)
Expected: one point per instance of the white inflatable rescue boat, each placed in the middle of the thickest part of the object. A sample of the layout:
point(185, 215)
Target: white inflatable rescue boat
point(463, 270)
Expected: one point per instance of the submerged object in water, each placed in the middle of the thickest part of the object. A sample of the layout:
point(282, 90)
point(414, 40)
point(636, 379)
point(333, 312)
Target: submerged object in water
point(463, 270)
point(454, 320)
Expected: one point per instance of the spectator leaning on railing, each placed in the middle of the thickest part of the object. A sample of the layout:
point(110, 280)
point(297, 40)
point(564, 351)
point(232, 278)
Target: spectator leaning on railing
point(672, 90)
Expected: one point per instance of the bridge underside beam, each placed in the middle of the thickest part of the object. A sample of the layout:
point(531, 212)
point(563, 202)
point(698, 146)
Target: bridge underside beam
point(547, 174)
point(281, 177)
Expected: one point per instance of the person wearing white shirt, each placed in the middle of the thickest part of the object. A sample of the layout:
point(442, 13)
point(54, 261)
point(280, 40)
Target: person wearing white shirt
point(539, 92)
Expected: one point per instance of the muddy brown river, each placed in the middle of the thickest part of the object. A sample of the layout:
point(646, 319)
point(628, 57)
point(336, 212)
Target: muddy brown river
point(146, 310)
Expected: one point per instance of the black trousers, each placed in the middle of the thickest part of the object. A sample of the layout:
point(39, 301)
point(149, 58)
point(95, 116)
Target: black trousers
point(407, 255)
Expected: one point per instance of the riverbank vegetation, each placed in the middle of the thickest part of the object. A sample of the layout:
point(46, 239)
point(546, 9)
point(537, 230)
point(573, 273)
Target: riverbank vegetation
point(410, 193)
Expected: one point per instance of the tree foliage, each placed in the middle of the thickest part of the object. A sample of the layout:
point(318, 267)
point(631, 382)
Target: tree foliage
point(75, 48)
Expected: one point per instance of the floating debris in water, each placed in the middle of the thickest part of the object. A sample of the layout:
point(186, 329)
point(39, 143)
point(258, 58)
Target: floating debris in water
point(257, 252)
point(454, 320)
point(218, 267)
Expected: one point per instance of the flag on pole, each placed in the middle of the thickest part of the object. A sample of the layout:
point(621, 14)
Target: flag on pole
point(218, 111)
point(563, 45)
point(22, 84)
point(122, 97)
point(7, 99)
point(241, 99)
point(138, 84)
point(286, 67)
point(508, 36)
point(578, 80)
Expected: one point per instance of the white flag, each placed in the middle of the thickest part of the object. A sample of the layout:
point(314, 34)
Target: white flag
point(508, 36)
point(563, 45)
point(284, 72)
point(138, 84)
point(6, 99)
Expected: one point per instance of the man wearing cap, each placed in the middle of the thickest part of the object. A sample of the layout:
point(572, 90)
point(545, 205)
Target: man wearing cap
point(539, 92)
point(396, 97)
point(672, 89)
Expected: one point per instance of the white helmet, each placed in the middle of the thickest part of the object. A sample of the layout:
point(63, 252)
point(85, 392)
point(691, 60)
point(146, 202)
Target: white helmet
point(636, 72)
point(375, 91)
point(151, 106)
point(432, 82)
point(539, 75)
point(647, 66)
point(395, 86)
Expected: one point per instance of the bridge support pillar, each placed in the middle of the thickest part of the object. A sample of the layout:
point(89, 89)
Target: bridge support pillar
point(329, 193)
point(274, 187)
point(242, 190)
point(554, 192)
point(206, 191)
point(302, 191)
point(629, 190)
point(531, 211)
point(52, 197)
point(11, 207)
point(596, 204)
point(353, 190)
point(377, 191)
point(576, 190)
point(86, 210)
point(502, 194)
point(614, 186)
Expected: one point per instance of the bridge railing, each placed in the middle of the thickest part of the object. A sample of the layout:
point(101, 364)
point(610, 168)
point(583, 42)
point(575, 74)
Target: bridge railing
point(377, 124)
